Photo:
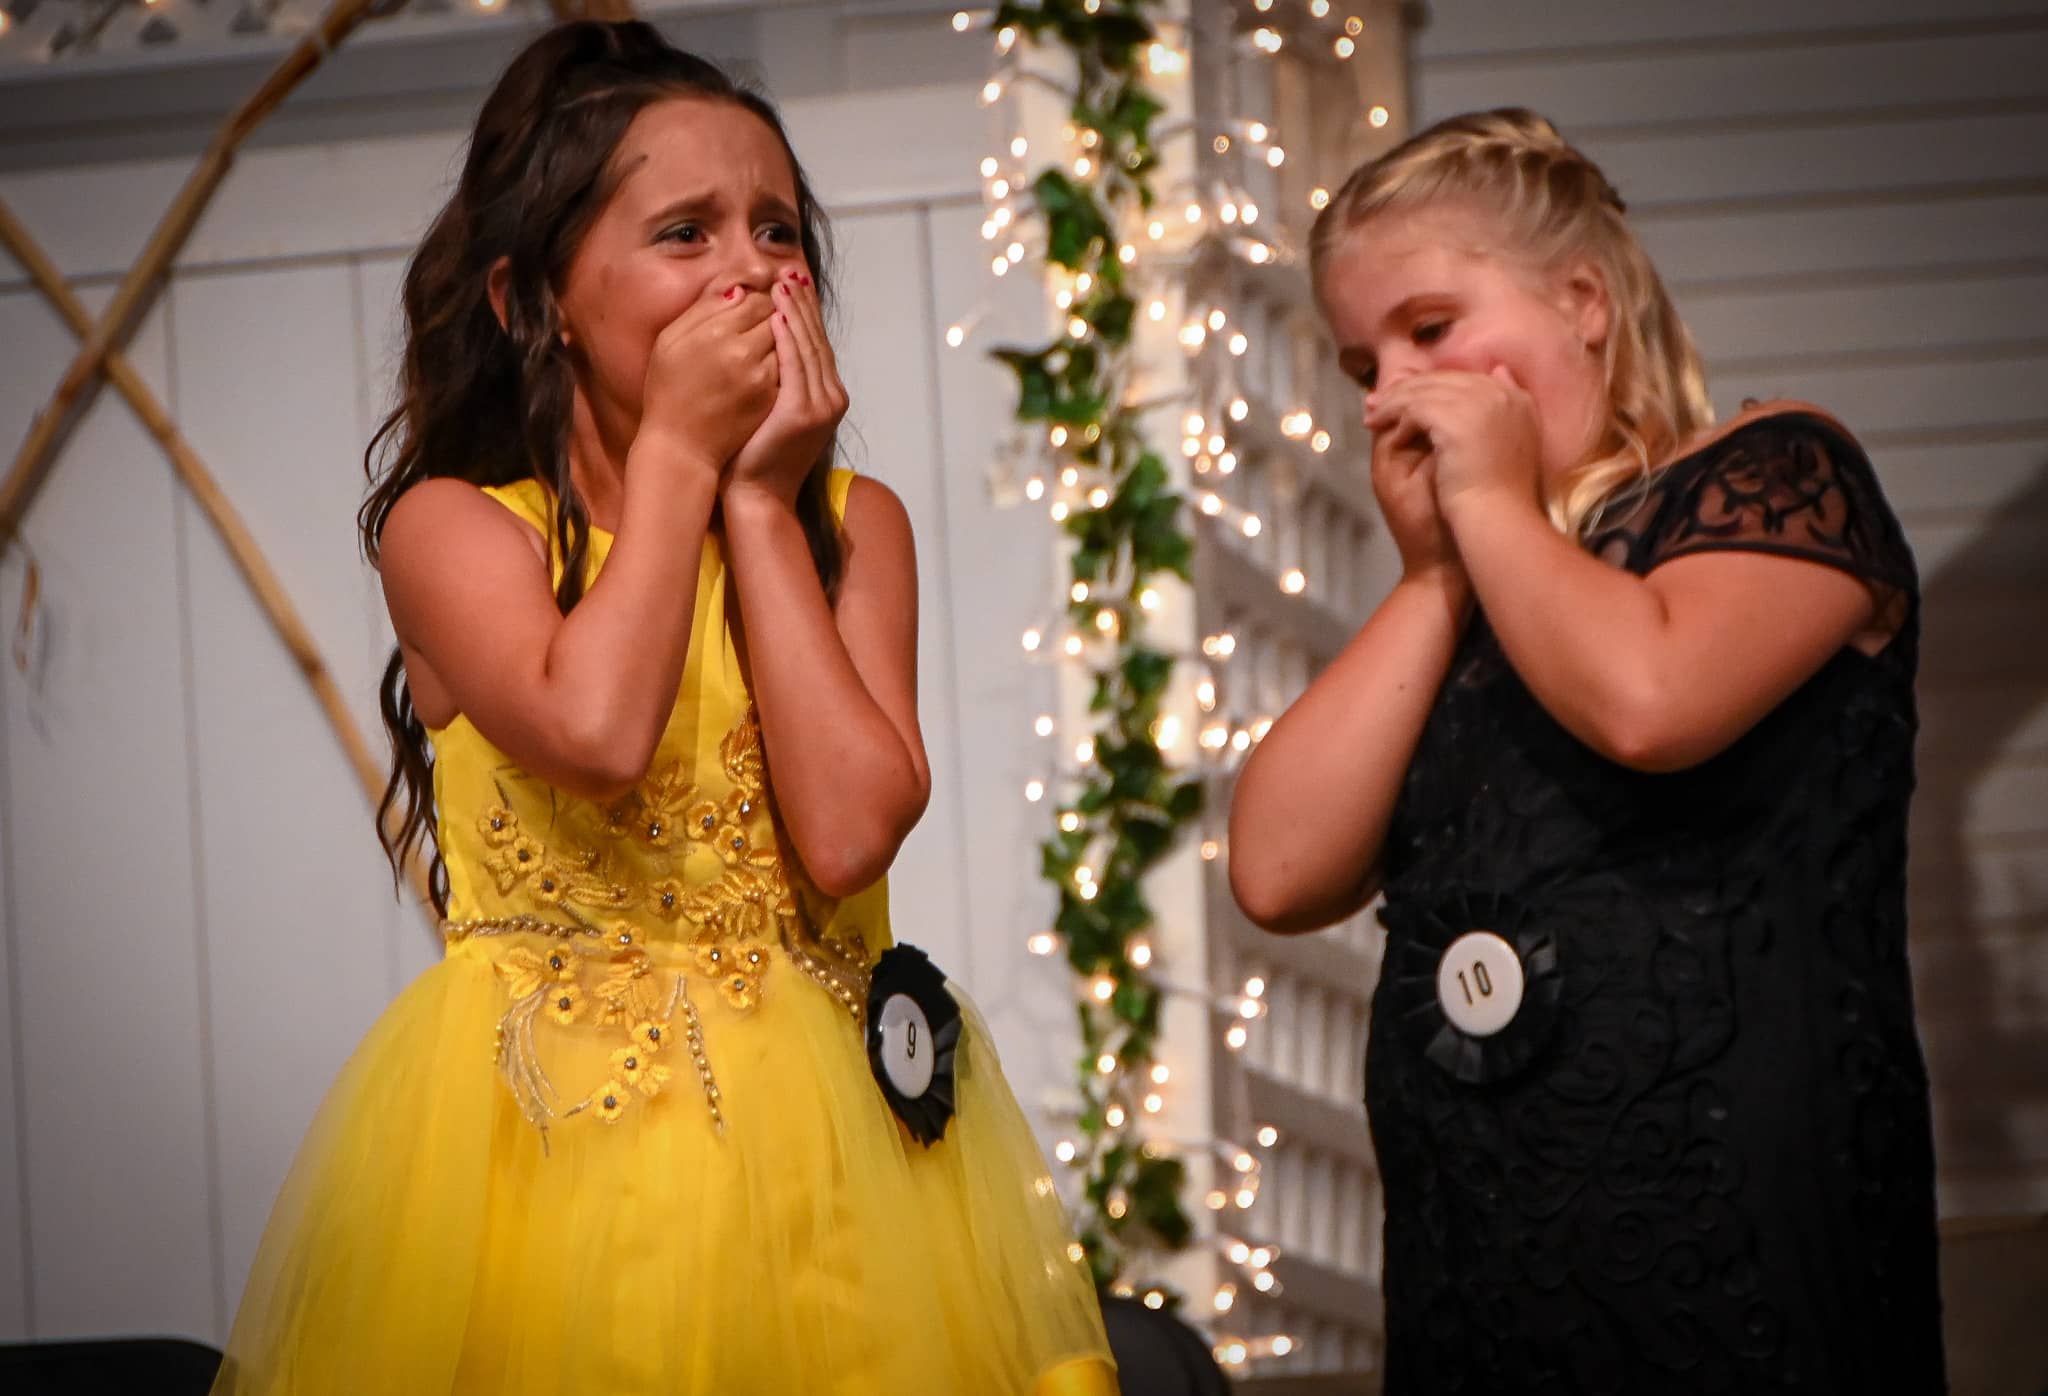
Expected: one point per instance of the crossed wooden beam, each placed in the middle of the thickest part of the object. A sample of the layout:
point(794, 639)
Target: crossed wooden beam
point(100, 357)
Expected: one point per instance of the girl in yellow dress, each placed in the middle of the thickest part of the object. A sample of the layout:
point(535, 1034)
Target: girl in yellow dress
point(627, 1136)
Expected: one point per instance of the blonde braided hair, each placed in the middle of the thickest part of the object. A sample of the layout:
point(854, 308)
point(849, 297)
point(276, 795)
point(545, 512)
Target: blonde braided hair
point(1555, 206)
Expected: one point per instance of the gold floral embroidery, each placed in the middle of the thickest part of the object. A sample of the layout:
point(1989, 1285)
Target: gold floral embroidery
point(638, 1069)
point(631, 991)
point(555, 981)
point(550, 884)
point(580, 868)
point(565, 1002)
point(666, 897)
point(736, 970)
point(525, 972)
point(515, 861)
point(498, 825)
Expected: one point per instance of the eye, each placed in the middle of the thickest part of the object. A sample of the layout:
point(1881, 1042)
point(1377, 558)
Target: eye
point(1430, 331)
point(686, 233)
point(783, 234)
point(1367, 377)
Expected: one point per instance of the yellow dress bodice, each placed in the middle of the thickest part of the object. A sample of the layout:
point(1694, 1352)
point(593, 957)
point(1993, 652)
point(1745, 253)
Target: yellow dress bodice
point(606, 917)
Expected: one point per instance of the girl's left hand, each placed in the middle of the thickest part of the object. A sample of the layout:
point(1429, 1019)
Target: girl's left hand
point(809, 400)
point(1482, 431)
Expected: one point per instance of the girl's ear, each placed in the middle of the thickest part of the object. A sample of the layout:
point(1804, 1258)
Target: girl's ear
point(1583, 299)
point(498, 285)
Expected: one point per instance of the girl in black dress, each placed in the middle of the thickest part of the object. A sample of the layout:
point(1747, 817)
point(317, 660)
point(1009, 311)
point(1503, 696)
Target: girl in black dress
point(1628, 751)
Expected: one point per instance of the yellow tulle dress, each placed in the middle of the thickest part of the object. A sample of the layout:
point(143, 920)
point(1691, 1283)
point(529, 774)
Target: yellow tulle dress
point(624, 1138)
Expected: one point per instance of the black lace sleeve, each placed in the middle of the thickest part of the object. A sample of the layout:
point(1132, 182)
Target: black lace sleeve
point(1792, 485)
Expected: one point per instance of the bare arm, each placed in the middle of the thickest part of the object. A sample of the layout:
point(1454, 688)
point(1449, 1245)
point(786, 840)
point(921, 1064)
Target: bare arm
point(1658, 672)
point(1314, 801)
point(579, 700)
point(836, 687)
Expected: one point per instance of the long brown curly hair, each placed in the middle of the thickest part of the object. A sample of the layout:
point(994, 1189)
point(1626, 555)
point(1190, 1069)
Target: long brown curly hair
point(490, 403)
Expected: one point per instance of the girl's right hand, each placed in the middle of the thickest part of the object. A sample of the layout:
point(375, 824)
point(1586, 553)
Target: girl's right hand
point(711, 378)
point(1404, 483)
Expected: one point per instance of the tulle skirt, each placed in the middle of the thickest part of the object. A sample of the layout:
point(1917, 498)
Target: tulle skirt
point(430, 1238)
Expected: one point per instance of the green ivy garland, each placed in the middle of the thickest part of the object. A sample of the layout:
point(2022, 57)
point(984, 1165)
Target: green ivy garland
point(1126, 809)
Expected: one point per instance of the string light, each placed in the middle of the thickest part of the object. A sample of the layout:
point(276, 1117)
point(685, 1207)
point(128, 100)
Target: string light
point(1293, 581)
point(1044, 943)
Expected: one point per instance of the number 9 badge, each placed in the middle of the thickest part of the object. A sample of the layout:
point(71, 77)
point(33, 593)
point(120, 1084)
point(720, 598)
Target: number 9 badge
point(914, 1029)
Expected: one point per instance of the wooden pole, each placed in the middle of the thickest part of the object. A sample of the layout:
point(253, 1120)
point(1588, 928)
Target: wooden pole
point(138, 291)
point(234, 533)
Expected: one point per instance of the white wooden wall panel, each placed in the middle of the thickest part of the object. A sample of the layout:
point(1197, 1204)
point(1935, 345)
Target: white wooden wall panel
point(15, 1265)
point(115, 1109)
point(293, 904)
point(884, 340)
point(410, 943)
point(1000, 565)
point(1467, 28)
point(1725, 84)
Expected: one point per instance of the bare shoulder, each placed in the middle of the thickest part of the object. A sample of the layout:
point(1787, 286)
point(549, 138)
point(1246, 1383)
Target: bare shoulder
point(447, 520)
point(876, 518)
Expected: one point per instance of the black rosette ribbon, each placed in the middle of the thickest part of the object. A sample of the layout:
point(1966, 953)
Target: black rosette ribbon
point(914, 1027)
point(1419, 937)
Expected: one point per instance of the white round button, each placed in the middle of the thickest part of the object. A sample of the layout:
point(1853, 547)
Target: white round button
point(1479, 983)
point(907, 1051)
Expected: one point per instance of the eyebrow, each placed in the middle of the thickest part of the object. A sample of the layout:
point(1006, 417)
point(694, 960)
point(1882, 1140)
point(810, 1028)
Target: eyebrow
point(698, 205)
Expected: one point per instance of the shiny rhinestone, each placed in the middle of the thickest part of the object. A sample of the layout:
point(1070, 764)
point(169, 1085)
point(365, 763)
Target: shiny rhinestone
point(654, 830)
point(709, 822)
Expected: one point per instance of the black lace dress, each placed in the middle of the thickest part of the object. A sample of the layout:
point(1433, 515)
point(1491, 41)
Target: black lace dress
point(1698, 1158)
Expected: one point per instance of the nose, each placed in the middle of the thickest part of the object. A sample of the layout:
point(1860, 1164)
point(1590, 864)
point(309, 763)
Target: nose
point(752, 267)
point(1397, 364)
